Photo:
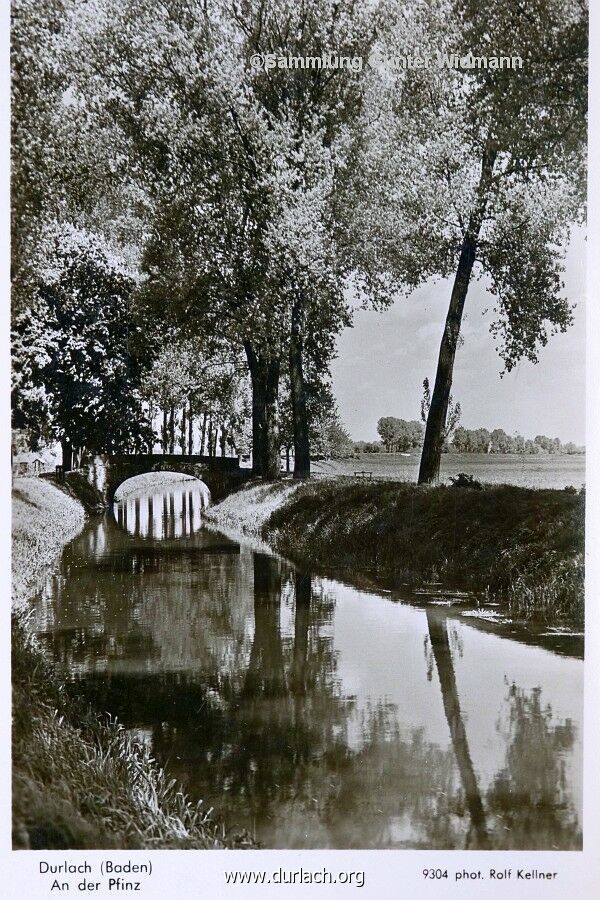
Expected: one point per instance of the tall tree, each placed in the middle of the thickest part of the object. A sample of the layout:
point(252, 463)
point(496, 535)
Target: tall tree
point(238, 168)
point(312, 115)
point(78, 356)
point(482, 167)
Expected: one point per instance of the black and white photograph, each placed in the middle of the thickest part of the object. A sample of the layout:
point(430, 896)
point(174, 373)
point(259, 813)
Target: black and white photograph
point(298, 327)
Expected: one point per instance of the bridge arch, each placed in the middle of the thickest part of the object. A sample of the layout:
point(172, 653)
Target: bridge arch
point(107, 473)
point(141, 482)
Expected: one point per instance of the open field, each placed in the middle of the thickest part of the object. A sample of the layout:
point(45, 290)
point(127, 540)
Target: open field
point(540, 471)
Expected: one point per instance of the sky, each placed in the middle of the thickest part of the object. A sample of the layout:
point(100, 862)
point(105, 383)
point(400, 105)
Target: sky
point(384, 358)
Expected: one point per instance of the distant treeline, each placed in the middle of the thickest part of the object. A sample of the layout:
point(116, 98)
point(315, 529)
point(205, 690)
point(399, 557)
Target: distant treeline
point(401, 436)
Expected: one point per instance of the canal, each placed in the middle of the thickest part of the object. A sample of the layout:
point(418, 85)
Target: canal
point(306, 711)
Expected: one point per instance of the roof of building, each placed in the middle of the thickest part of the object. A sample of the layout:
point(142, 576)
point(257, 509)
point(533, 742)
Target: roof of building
point(27, 457)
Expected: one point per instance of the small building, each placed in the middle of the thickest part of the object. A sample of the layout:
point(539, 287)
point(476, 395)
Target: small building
point(27, 463)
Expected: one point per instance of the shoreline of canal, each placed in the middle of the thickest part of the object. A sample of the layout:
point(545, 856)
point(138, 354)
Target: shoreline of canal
point(527, 540)
point(79, 781)
point(521, 549)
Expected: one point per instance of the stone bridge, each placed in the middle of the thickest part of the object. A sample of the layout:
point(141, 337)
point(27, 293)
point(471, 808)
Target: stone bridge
point(221, 474)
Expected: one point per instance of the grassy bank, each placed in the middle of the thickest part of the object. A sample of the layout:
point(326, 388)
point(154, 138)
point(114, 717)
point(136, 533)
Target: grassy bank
point(78, 780)
point(44, 519)
point(521, 547)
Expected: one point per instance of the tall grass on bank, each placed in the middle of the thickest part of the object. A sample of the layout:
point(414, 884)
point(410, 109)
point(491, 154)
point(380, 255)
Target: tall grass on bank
point(522, 547)
point(80, 782)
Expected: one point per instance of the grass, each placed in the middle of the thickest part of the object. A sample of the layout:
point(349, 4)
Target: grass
point(44, 519)
point(77, 486)
point(553, 471)
point(79, 780)
point(522, 547)
point(247, 511)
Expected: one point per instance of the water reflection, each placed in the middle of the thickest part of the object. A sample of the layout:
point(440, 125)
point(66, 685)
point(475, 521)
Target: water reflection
point(175, 512)
point(301, 708)
point(438, 636)
point(265, 673)
point(532, 788)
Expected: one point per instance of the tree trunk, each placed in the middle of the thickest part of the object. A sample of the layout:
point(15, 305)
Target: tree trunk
point(264, 374)
point(172, 430)
point(183, 429)
point(436, 420)
point(223, 440)
point(203, 432)
point(298, 397)
point(151, 440)
point(431, 454)
point(258, 423)
point(190, 429)
point(67, 455)
point(265, 675)
point(165, 432)
point(210, 437)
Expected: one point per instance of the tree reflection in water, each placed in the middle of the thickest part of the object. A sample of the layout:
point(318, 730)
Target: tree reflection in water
point(438, 635)
point(303, 592)
point(176, 513)
point(224, 659)
point(529, 796)
point(265, 673)
point(528, 805)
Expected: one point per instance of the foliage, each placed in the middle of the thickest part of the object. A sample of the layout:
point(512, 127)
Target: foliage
point(202, 377)
point(251, 163)
point(430, 128)
point(36, 87)
point(368, 447)
point(399, 435)
point(329, 437)
point(335, 441)
point(76, 350)
point(480, 440)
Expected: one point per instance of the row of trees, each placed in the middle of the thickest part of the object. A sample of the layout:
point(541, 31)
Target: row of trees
point(480, 440)
point(226, 220)
point(220, 183)
point(397, 435)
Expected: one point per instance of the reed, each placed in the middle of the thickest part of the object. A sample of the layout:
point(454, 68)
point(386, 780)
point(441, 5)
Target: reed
point(520, 546)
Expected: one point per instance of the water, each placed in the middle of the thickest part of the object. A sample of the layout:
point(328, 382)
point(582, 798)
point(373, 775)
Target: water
point(306, 711)
point(537, 471)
